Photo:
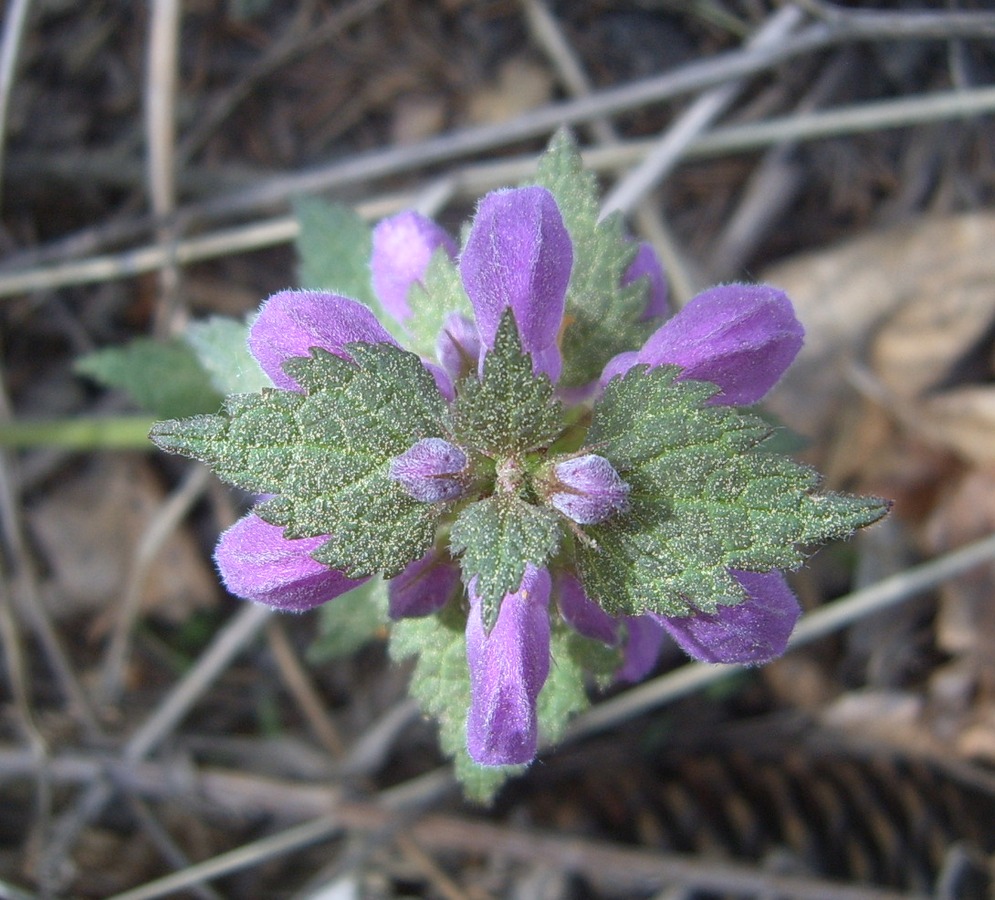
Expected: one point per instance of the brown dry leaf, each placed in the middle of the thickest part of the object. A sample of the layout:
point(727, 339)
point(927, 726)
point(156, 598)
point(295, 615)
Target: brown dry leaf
point(89, 528)
point(966, 620)
point(920, 297)
point(962, 419)
point(416, 118)
point(933, 330)
point(521, 85)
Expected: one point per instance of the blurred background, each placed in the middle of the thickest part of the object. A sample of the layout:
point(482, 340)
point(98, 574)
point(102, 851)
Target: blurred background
point(159, 738)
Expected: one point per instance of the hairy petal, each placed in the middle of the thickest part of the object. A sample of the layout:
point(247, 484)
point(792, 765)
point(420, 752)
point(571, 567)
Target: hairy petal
point(582, 614)
point(642, 647)
point(740, 337)
point(258, 563)
point(424, 587)
point(646, 264)
point(508, 668)
point(458, 347)
point(588, 489)
point(753, 632)
point(429, 470)
point(519, 255)
point(290, 323)
point(402, 249)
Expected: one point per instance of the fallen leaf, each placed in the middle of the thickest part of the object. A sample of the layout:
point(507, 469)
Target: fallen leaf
point(89, 529)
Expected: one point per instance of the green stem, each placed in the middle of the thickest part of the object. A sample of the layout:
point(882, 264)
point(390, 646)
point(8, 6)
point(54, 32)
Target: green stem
point(110, 433)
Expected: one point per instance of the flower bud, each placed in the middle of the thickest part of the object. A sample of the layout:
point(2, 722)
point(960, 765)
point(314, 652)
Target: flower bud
point(430, 470)
point(587, 489)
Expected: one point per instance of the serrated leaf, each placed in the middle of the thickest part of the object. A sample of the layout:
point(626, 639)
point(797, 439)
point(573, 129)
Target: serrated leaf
point(497, 536)
point(509, 410)
point(349, 622)
point(703, 499)
point(162, 377)
point(603, 317)
point(221, 348)
point(439, 294)
point(326, 453)
point(440, 682)
point(334, 246)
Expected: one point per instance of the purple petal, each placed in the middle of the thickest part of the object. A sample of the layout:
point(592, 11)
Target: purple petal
point(754, 632)
point(519, 255)
point(646, 264)
point(426, 470)
point(290, 323)
point(508, 668)
point(424, 587)
point(588, 490)
point(740, 337)
point(619, 365)
point(642, 648)
point(582, 614)
point(258, 563)
point(403, 246)
point(458, 347)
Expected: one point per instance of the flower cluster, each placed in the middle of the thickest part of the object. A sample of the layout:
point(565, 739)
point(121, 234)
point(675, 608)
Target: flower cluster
point(539, 504)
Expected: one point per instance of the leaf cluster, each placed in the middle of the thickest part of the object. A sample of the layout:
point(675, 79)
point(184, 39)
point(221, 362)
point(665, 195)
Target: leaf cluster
point(326, 453)
point(705, 497)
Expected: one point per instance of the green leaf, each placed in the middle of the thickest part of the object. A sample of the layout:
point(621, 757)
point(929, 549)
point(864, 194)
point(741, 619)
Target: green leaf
point(161, 377)
point(440, 682)
point(602, 317)
point(497, 536)
point(350, 621)
point(704, 498)
point(221, 348)
point(563, 695)
point(326, 453)
point(334, 246)
point(509, 410)
point(432, 301)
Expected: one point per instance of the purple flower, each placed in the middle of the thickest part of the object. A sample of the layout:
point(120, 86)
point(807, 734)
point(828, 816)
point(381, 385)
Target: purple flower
point(258, 563)
point(751, 633)
point(424, 587)
point(646, 264)
point(740, 337)
point(508, 668)
point(429, 470)
point(587, 489)
point(518, 256)
point(290, 323)
point(403, 246)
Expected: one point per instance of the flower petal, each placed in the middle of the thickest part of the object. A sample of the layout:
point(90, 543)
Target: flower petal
point(290, 323)
point(582, 614)
point(258, 563)
point(508, 668)
point(642, 647)
point(740, 337)
point(424, 587)
point(458, 346)
point(429, 470)
point(403, 246)
point(754, 632)
point(587, 489)
point(646, 264)
point(519, 255)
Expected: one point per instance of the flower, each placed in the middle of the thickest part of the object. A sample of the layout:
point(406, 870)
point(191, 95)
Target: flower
point(587, 489)
point(519, 256)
